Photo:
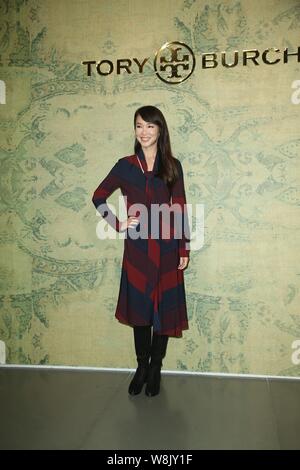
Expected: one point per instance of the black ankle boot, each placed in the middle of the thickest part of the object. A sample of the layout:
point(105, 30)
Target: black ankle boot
point(142, 343)
point(158, 352)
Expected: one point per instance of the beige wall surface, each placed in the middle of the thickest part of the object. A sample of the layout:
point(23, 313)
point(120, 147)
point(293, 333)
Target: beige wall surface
point(236, 132)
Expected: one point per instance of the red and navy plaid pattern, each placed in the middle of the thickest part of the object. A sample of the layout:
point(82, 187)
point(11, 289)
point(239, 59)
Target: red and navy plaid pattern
point(152, 288)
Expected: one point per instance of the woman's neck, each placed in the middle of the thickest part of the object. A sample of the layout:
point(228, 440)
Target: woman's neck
point(150, 153)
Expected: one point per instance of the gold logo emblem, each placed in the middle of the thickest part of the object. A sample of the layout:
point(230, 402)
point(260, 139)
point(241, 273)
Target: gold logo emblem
point(174, 62)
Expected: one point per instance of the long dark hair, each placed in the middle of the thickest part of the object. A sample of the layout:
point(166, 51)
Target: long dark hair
point(167, 168)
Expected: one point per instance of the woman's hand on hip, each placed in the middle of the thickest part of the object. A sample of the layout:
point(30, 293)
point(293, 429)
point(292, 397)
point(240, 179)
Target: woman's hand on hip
point(131, 222)
point(183, 262)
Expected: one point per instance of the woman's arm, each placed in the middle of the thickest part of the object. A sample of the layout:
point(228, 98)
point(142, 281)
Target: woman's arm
point(104, 190)
point(178, 197)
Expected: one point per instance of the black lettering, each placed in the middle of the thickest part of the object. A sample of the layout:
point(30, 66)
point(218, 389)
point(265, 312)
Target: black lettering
point(266, 60)
point(286, 55)
point(209, 58)
point(247, 57)
point(89, 66)
point(141, 65)
point(110, 64)
point(123, 66)
point(233, 64)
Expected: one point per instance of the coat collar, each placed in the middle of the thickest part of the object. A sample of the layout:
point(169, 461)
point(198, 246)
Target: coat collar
point(142, 159)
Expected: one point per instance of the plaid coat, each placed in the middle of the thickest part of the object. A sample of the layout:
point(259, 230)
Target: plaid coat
point(152, 288)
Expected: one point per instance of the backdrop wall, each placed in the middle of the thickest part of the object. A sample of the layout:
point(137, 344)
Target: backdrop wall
point(236, 132)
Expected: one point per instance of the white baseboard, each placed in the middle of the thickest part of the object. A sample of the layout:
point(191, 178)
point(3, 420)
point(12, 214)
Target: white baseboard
point(166, 372)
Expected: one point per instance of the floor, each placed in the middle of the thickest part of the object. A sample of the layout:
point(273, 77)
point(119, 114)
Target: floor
point(43, 408)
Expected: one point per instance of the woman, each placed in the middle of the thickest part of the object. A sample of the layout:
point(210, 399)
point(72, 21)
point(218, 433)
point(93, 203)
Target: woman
point(152, 293)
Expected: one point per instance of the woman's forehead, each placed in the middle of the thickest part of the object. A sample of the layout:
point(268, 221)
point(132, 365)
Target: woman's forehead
point(140, 119)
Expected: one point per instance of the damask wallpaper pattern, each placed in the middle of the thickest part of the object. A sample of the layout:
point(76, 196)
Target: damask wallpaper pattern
point(236, 133)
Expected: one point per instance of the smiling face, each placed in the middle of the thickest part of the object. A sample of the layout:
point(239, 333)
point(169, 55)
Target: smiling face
point(146, 133)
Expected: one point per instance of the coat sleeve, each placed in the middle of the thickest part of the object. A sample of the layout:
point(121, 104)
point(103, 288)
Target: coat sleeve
point(178, 197)
point(110, 183)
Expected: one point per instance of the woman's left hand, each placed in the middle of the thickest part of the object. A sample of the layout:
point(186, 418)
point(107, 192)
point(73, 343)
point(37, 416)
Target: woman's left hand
point(183, 262)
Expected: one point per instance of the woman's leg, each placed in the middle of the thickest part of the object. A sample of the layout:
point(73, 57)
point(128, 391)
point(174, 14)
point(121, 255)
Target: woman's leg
point(142, 343)
point(158, 352)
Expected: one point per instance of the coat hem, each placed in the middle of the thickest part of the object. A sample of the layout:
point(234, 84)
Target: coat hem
point(174, 333)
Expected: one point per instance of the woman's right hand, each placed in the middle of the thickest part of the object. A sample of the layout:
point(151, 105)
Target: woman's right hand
point(131, 222)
